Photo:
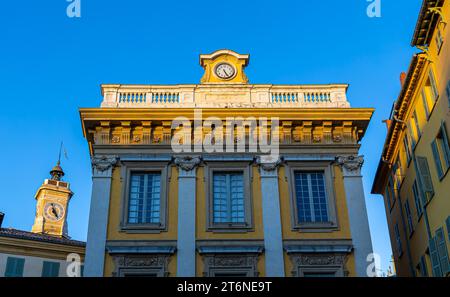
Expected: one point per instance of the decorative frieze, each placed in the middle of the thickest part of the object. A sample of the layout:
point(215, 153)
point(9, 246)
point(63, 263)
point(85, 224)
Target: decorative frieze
point(231, 263)
point(290, 133)
point(156, 264)
point(319, 263)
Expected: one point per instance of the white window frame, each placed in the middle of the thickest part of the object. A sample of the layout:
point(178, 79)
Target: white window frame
point(150, 167)
point(314, 166)
point(229, 167)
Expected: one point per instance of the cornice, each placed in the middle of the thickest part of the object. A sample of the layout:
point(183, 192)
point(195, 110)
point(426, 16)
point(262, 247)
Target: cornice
point(38, 249)
point(403, 107)
point(111, 114)
point(426, 22)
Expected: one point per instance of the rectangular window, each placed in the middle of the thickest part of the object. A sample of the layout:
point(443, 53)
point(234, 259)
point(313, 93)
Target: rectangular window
point(442, 251)
point(441, 151)
point(14, 267)
point(434, 255)
point(437, 159)
point(412, 135)
point(409, 217)
point(433, 85)
point(388, 197)
point(415, 120)
point(228, 197)
point(448, 92)
point(398, 174)
point(144, 198)
point(311, 197)
point(398, 240)
point(417, 200)
point(50, 269)
point(425, 103)
point(407, 148)
point(425, 179)
point(392, 190)
point(423, 267)
point(447, 222)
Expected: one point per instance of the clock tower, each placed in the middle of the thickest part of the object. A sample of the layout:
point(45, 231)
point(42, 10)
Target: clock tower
point(52, 198)
point(224, 67)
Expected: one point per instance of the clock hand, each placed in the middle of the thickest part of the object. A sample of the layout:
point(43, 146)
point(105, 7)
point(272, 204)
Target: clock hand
point(226, 73)
point(54, 211)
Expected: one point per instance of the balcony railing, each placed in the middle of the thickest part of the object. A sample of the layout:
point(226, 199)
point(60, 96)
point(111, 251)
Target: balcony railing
point(210, 96)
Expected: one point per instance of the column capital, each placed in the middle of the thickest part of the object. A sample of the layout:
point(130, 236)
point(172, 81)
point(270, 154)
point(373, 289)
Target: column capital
point(102, 165)
point(187, 163)
point(351, 165)
point(268, 165)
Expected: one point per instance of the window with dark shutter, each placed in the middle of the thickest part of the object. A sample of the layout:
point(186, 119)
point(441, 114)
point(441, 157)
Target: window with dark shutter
point(425, 179)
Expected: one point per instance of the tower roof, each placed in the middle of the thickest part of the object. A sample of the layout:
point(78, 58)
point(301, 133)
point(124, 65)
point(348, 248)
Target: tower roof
point(57, 172)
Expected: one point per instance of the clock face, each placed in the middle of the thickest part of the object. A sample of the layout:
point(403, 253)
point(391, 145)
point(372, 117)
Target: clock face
point(225, 71)
point(53, 211)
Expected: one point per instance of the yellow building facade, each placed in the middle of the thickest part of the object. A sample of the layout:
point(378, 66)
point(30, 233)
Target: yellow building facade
point(226, 178)
point(412, 174)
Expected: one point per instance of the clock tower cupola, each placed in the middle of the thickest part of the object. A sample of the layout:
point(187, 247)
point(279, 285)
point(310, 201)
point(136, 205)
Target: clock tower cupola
point(52, 202)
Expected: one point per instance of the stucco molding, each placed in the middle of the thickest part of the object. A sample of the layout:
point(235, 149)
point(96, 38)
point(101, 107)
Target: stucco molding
point(351, 165)
point(319, 263)
point(154, 264)
point(268, 165)
point(231, 263)
point(187, 163)
point(102, 165)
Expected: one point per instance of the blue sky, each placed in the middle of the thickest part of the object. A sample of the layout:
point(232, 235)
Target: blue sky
point(50, 65)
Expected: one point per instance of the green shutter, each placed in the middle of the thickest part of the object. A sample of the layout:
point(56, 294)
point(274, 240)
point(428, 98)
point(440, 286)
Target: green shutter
point(448, 92)
point(447, 222)
point(435, 258)
point(388, 198)
point(417, 200)
point(437, 159)
point(434, 86)
point(407, 148)
point(425, 104)
point(412, 137)
point(416, 122)
point(423, 267)
point(446, 144)
point(425, 179)
point(442, 251)
point(14, 267)
point(50, 269)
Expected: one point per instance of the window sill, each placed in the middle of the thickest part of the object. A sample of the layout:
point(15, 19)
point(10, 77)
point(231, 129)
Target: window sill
point(230, 228)
point(150, 228)
point(316, 227)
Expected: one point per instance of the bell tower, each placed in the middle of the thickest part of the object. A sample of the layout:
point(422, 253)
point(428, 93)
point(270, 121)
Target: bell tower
point(52, 199)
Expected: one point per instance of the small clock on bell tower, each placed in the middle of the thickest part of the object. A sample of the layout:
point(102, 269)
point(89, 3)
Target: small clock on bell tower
point(52, 199)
